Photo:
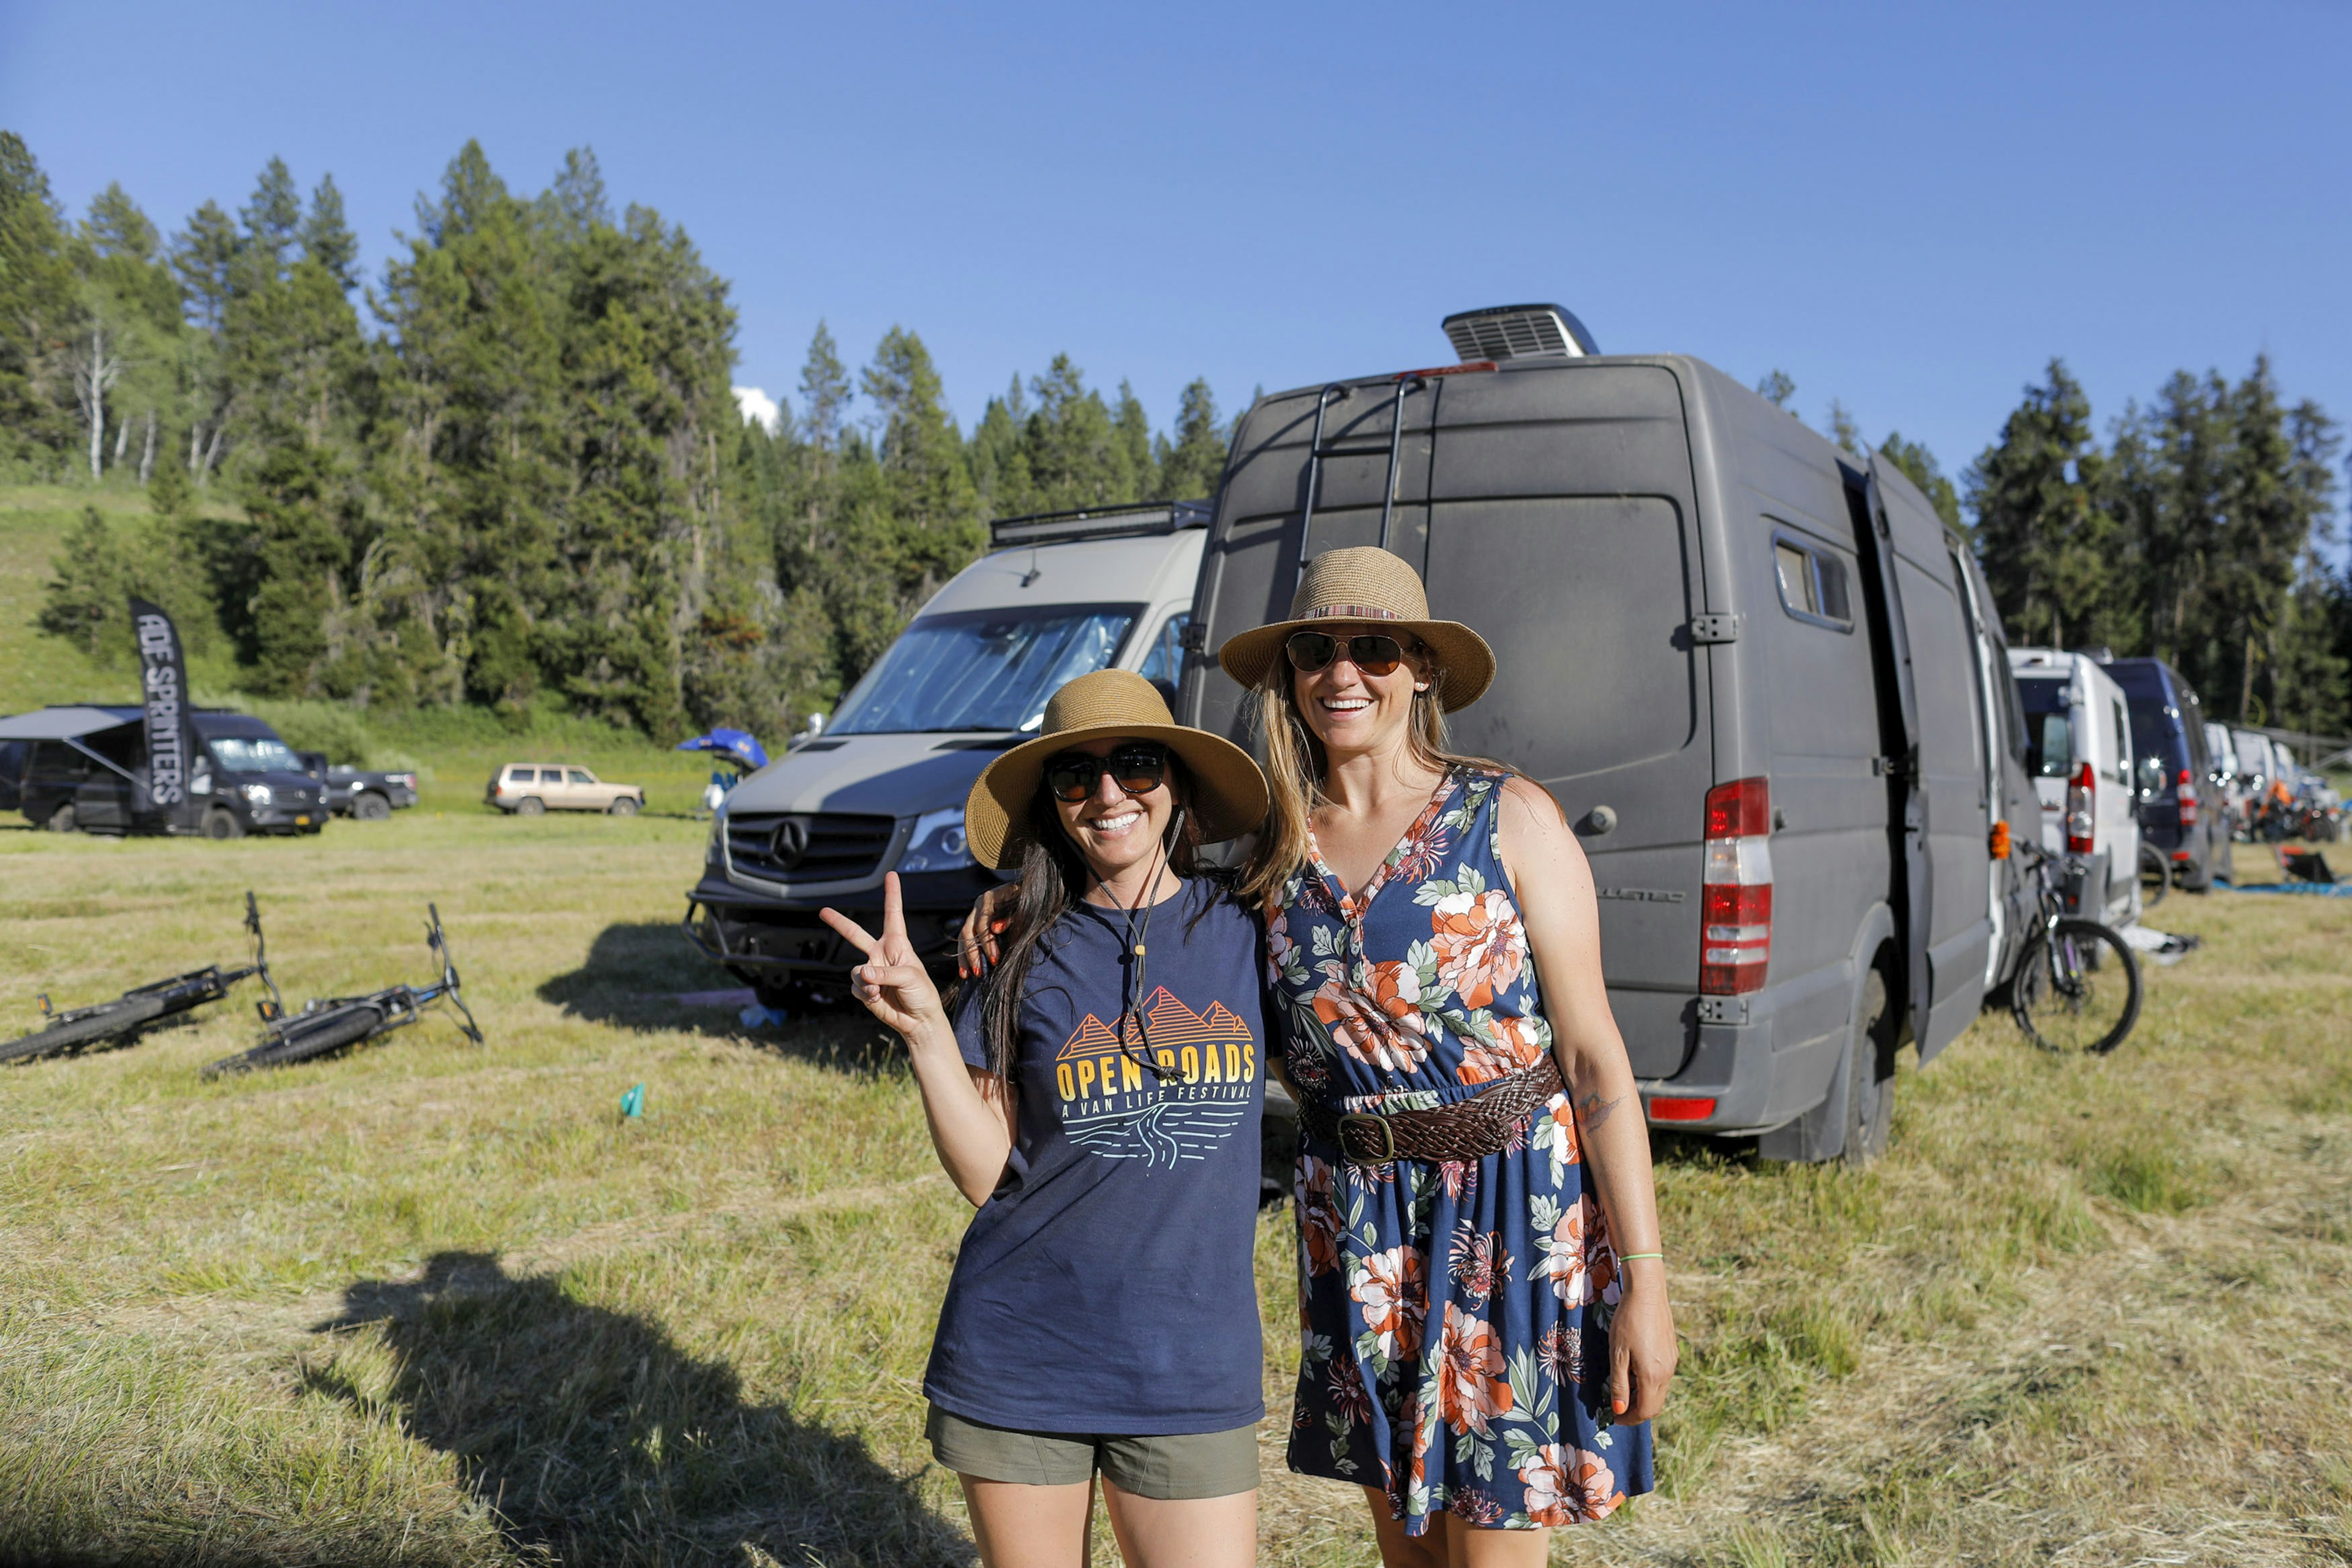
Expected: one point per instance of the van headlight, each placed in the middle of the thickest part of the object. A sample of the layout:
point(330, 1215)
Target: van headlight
point(938, 843)
point(257, 794)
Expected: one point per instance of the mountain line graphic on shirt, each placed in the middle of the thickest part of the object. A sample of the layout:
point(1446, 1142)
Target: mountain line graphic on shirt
point(1117, 1107)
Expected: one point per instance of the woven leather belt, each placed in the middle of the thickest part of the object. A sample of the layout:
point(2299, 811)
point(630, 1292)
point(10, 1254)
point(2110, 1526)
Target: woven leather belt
point(1484, 1123)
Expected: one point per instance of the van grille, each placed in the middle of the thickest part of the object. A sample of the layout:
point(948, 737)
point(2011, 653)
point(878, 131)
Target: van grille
point(808, 846)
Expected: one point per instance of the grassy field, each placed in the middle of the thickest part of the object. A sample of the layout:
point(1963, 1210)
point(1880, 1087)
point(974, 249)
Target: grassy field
point(441, 1304)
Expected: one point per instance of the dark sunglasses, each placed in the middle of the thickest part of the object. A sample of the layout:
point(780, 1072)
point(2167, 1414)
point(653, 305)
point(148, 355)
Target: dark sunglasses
point(1138, 769)
point(1374, 653)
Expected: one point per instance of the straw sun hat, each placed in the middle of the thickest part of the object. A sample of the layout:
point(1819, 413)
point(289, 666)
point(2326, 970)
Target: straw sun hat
point(1373, 588)
point(1228, 797)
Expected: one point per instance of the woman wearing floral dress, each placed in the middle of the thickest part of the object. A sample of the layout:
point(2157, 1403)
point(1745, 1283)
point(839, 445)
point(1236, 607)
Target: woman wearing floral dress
point(1485, 1339)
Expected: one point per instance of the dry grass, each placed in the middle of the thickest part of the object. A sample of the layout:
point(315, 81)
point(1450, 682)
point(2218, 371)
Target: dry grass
point(437, 1304)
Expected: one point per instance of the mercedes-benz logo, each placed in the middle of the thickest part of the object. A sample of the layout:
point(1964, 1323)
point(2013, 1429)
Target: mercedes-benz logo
point(789, 842)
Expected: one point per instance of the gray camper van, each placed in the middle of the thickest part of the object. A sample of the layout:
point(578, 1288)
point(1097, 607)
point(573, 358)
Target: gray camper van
point(1760, 676)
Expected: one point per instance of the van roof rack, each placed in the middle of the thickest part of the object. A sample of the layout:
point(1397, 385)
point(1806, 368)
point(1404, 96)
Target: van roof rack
point(1518, 332)
point(1103, 522)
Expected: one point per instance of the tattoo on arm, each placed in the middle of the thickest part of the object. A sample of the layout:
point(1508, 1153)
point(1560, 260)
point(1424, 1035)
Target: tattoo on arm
point(1594, 1110)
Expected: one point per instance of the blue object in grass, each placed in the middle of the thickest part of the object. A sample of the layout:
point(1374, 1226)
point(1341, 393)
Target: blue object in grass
point(634, 1102)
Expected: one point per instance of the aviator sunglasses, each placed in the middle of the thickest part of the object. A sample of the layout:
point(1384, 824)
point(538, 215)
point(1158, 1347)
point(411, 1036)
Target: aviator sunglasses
point(1138, 768)
point(1374, 653)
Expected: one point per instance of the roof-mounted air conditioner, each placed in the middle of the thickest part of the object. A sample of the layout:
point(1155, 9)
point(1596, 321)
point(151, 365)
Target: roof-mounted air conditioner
point(1519, 331)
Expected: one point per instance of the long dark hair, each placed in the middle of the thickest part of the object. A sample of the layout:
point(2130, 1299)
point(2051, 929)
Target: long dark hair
point(1054, 876)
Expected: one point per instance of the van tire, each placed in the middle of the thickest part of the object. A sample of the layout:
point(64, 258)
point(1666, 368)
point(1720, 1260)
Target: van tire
point(530, 806)
point(1870, 1076)
point(371, 807)
point(624, 806)
point(221, 824)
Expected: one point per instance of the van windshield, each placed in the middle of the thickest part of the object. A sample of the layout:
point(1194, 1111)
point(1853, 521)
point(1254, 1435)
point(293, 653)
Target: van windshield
point(2048, 729)
point(246, 754)
point(982, 669)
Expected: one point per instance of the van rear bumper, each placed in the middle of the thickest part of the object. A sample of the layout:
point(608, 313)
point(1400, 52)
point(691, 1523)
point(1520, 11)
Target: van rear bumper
point(765, 940)
point(1759, 1073)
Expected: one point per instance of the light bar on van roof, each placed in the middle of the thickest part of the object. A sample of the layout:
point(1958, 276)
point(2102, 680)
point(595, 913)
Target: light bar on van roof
point(1115, 522)
point(1518, 332)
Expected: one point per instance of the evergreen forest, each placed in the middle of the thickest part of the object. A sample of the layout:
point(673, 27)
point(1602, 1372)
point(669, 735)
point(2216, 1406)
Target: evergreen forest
point(509, 471)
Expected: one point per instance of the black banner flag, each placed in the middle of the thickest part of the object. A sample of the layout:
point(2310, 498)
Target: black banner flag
point(170, 728)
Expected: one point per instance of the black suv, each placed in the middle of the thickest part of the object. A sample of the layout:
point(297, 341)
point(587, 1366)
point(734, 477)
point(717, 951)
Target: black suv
point(2181, 813)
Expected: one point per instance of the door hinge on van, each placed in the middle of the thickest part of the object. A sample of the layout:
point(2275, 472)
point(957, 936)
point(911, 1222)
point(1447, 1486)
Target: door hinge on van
point(1902, 767)
point(1715, 629)
point(1196, 636)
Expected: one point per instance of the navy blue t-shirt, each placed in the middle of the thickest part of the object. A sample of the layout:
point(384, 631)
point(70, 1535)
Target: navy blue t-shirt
point(1106, 1285)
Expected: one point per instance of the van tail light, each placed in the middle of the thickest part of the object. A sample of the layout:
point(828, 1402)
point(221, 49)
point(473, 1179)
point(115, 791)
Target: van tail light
point(1678, 1109)
point(1997, 842)
point(1736, 897)
point(2081, 823)
point(2189, 800)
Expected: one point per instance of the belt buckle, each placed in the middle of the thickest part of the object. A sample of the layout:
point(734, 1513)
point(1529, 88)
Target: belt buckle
point(1387, 1134)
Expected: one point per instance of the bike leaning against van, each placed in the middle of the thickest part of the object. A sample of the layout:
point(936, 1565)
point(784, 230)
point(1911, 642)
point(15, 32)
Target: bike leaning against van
point(2077, 986)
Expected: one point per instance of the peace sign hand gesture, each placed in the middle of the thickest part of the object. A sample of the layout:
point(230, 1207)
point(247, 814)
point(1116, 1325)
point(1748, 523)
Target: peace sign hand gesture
point(892, 982)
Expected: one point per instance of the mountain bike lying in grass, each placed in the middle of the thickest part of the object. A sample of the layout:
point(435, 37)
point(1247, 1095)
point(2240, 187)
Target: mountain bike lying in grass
point(124, 1019)
point(335, 1022)
point(2077, 985)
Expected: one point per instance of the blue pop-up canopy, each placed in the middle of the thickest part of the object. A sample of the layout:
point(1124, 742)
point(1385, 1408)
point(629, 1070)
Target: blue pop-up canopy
point(737, 745)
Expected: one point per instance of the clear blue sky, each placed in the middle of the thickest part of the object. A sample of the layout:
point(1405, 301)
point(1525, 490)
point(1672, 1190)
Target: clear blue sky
point(1908, 211)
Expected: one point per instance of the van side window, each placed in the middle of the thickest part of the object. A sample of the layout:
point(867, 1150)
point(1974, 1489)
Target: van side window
point(1165, 662)
point(1812, 584)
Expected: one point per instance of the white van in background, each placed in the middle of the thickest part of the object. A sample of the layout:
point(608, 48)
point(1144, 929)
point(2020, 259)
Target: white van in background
point(2079, 750)
point(883, 787)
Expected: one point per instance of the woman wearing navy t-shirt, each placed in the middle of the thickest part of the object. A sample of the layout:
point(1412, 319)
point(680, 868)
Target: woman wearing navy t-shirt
point(1097, 1098)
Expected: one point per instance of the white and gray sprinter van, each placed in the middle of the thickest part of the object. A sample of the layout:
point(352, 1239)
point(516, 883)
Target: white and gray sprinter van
point(1760, 677)
point(883, 787)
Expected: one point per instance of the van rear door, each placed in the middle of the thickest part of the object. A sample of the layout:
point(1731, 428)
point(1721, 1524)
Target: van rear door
point(1946, 811)
point(1549, 507)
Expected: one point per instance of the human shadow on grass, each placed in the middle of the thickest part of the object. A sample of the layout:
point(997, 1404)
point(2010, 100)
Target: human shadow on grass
point(636, 970)
point(596, 1437)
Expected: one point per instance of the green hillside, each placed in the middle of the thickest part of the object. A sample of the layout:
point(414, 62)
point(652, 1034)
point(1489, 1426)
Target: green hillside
point(453, 752)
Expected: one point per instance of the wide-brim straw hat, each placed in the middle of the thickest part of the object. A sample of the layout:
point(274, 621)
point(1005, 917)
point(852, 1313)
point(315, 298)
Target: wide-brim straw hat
point(1373, 587)
point(1228, 795)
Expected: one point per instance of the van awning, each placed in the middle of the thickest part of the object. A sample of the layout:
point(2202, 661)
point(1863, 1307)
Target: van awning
point(64, 724)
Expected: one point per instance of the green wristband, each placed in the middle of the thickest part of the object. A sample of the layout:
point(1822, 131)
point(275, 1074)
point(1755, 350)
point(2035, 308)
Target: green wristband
point(1631, 1256)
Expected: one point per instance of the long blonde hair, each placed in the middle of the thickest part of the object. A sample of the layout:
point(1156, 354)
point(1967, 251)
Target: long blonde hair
point(1296, 763)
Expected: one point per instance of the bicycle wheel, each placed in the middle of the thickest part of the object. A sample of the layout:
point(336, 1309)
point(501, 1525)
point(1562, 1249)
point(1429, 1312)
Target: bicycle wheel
point(108, 1021)
point(2077, 989)
point(306, 1039)
point(2154, 876)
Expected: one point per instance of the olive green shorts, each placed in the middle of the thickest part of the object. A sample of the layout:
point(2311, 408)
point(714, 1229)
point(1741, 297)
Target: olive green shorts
point(1169, 1469)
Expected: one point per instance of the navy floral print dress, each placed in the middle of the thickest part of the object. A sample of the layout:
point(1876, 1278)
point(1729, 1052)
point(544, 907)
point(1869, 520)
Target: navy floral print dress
point(1455, 1315)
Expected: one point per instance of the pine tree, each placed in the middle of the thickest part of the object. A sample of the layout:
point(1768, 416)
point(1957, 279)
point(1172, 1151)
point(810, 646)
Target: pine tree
point(327, 240)
point(2050, 555)
point(37, 310)
point(84, 600)
point(1193, 464)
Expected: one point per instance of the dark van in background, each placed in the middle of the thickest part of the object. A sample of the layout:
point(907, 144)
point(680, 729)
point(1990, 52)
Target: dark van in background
point(79, 768)
point(2173, 771)
point(1758, 674)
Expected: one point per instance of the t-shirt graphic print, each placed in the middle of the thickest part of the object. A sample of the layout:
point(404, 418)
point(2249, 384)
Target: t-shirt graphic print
point(1106, 1285)
point(1114, 1105)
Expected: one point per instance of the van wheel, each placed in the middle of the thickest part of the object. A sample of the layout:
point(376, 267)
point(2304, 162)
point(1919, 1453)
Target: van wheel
point(62, 819)
point(531, 806)
point(371, 807)
point(624, 806)
point(1870, 1076)
point(220, 823)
